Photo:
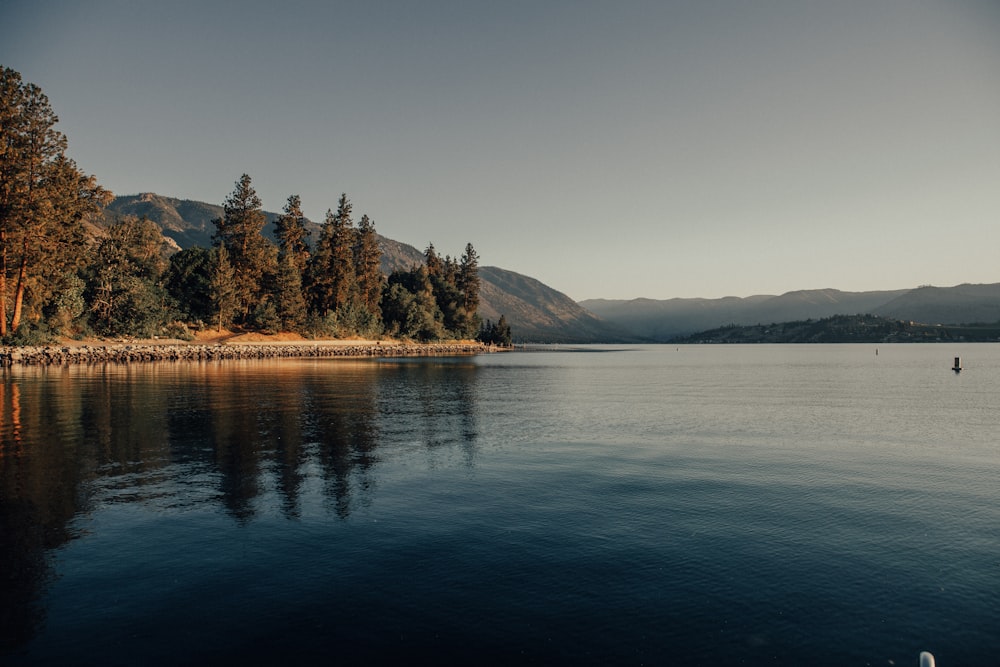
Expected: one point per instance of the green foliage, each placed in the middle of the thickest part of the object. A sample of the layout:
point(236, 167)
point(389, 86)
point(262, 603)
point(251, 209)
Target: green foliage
point(56, 279)
point(332, 273)
point(292, 235)
point(44, 201)
point(32, 333)
point(252, 257)
point(188, 282)
point(124, 289)
point(468, 279)
point(65, 314)
point(224, 292)
point(409, 309)
point(368, 263)
point(352, 320)
point(496, 334)
point(291, 303)
point(265, 318)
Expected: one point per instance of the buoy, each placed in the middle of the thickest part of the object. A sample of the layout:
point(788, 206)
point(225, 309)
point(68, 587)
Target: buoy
point(958, 364)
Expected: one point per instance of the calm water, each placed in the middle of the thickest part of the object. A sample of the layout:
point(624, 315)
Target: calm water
point(817, 505)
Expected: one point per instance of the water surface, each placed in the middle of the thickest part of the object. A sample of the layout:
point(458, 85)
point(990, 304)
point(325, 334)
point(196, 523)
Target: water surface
point(710, 505)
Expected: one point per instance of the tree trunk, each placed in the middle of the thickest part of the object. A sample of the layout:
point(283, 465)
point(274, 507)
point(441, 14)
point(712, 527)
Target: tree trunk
point(3, 283)
point(15, 321)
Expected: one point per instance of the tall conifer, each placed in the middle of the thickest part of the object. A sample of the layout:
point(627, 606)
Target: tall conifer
point(292, 235)
point(468, 279)
point(253, 258)
point(343, 273)
point(368, 263)
point(44, 199)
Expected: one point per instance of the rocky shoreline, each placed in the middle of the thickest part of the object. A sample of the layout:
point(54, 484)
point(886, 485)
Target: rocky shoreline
point(56, 355)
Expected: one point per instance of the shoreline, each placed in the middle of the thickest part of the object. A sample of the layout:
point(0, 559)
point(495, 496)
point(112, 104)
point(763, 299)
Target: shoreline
point(126, 353)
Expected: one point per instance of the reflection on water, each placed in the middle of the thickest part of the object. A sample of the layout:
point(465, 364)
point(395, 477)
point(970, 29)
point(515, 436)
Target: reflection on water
point(174, 437)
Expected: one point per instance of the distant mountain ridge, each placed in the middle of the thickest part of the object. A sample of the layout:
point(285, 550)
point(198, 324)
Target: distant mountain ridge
point(535, 312)
point(665, 320)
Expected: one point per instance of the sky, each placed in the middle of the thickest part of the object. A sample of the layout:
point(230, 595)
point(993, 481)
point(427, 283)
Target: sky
point(615, 149)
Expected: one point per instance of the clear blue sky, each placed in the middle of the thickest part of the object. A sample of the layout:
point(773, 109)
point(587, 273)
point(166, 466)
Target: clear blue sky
point(609, 149)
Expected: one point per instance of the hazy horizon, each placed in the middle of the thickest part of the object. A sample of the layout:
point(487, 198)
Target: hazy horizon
point(635, 150)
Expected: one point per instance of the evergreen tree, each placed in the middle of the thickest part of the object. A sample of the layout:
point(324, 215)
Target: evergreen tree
point(368, 263)
point(503, 333)
point(253, 258)
point(125, 292)
point(291, 303)
point(435, 267)
point(292, 235)
point(468, 279)
point(224, 287)
point(293, 258)
point(409, 308)
point(332, 280)
point(44, 201)
point(319, 283)
point(343, 272)
point(496, 334)
point(188, 281)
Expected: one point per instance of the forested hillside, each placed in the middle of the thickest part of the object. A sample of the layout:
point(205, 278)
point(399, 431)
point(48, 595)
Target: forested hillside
point(666, 320)
point(534, 311)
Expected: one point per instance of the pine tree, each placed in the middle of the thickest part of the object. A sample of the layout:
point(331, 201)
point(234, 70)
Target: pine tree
point(224, 287)
point(319, 282)
point(291, 303)
point(503, 333)
point(126, 293)
point(495, 334)
point(409, 307)
point(293, 258)
point(332, 283)
point(368, 263)
point(292, 235)
point(189, 282)
point(435, 267)
point(253, 258)
point(343, 273)
point(468, 279)
point(44, 200)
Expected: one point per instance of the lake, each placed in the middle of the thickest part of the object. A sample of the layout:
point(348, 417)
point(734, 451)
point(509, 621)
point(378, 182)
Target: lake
point(723, 505)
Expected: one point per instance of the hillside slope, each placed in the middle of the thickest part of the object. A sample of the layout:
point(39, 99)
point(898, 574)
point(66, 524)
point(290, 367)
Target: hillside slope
point(667, 319)
point(961, 304)
point(535, 312)
point(540, 314)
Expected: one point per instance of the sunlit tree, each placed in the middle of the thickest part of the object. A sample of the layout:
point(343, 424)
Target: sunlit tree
point(45, 200)
point(368, 265)
point(253, 258)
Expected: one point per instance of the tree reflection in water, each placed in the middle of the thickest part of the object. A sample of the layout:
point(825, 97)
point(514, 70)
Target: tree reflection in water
point(245, 438)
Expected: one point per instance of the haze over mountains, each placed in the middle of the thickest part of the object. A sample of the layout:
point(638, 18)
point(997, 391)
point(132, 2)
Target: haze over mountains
point(539, 313)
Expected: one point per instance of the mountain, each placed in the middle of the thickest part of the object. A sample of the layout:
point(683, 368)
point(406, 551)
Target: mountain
point(665, 320)
point(846, 329)
point(540, 314)
point(962, 304)
point(187, 222)
point(535, 312)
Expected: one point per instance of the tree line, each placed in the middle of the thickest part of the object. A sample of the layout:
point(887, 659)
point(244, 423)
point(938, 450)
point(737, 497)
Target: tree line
point(60, 274)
